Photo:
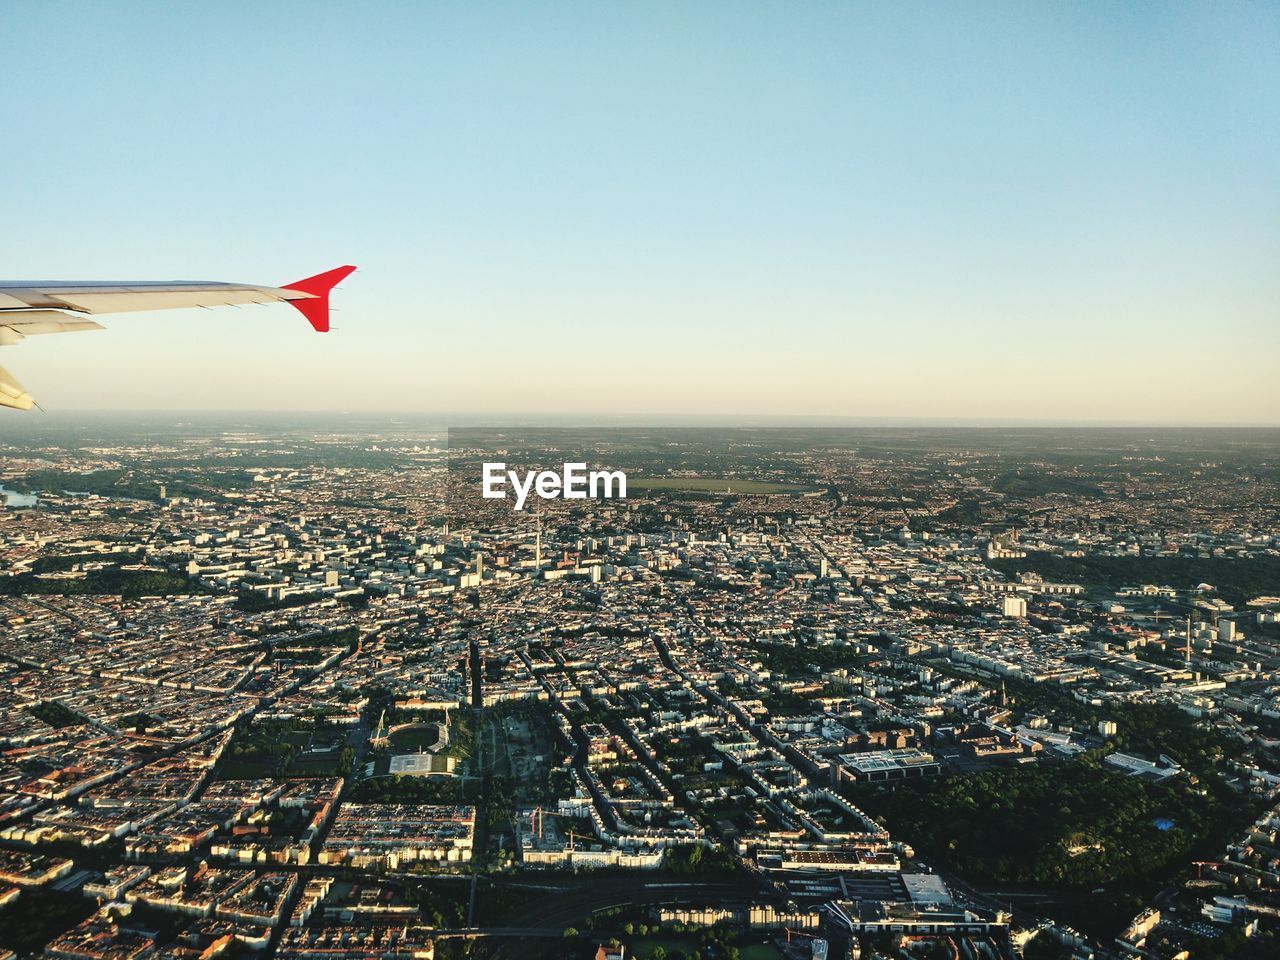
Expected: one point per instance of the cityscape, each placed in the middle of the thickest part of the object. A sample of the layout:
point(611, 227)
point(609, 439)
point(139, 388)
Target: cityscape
point(732, 480)
point(290, 688)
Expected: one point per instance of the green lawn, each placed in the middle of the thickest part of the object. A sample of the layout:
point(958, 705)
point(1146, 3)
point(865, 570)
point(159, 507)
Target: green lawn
point(643, 948)
point(258, 750)
point(411, 741)
point(248, 767)
point(326, 765)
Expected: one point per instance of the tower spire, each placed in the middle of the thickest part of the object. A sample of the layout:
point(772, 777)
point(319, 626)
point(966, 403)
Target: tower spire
point(537, 547)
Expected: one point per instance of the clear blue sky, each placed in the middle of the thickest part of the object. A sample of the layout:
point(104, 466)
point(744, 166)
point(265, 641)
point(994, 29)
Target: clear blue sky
point(1046, 210)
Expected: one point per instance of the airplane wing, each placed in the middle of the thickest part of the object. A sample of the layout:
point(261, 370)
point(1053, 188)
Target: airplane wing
point(37, 307)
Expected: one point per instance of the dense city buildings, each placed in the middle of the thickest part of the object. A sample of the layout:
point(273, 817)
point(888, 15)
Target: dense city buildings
point(294, 690)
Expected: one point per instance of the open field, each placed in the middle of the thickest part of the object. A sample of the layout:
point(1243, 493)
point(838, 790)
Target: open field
point(414, 739)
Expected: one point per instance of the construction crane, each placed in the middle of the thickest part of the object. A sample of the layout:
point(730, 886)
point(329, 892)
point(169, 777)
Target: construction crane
point(536, 823)
point(800, 933)
point(818, 944)
point(1201, 864)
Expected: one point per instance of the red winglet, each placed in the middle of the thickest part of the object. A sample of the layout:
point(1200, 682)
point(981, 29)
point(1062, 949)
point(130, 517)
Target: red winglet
point(316, 307)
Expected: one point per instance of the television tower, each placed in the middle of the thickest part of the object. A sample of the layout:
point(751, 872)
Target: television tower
point(537, 547)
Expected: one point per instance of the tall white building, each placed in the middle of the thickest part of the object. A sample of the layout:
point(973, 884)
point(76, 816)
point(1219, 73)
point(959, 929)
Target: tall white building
point(1014, 607)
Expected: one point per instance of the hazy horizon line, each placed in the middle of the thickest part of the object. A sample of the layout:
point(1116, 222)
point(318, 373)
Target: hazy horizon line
point(447, 418)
